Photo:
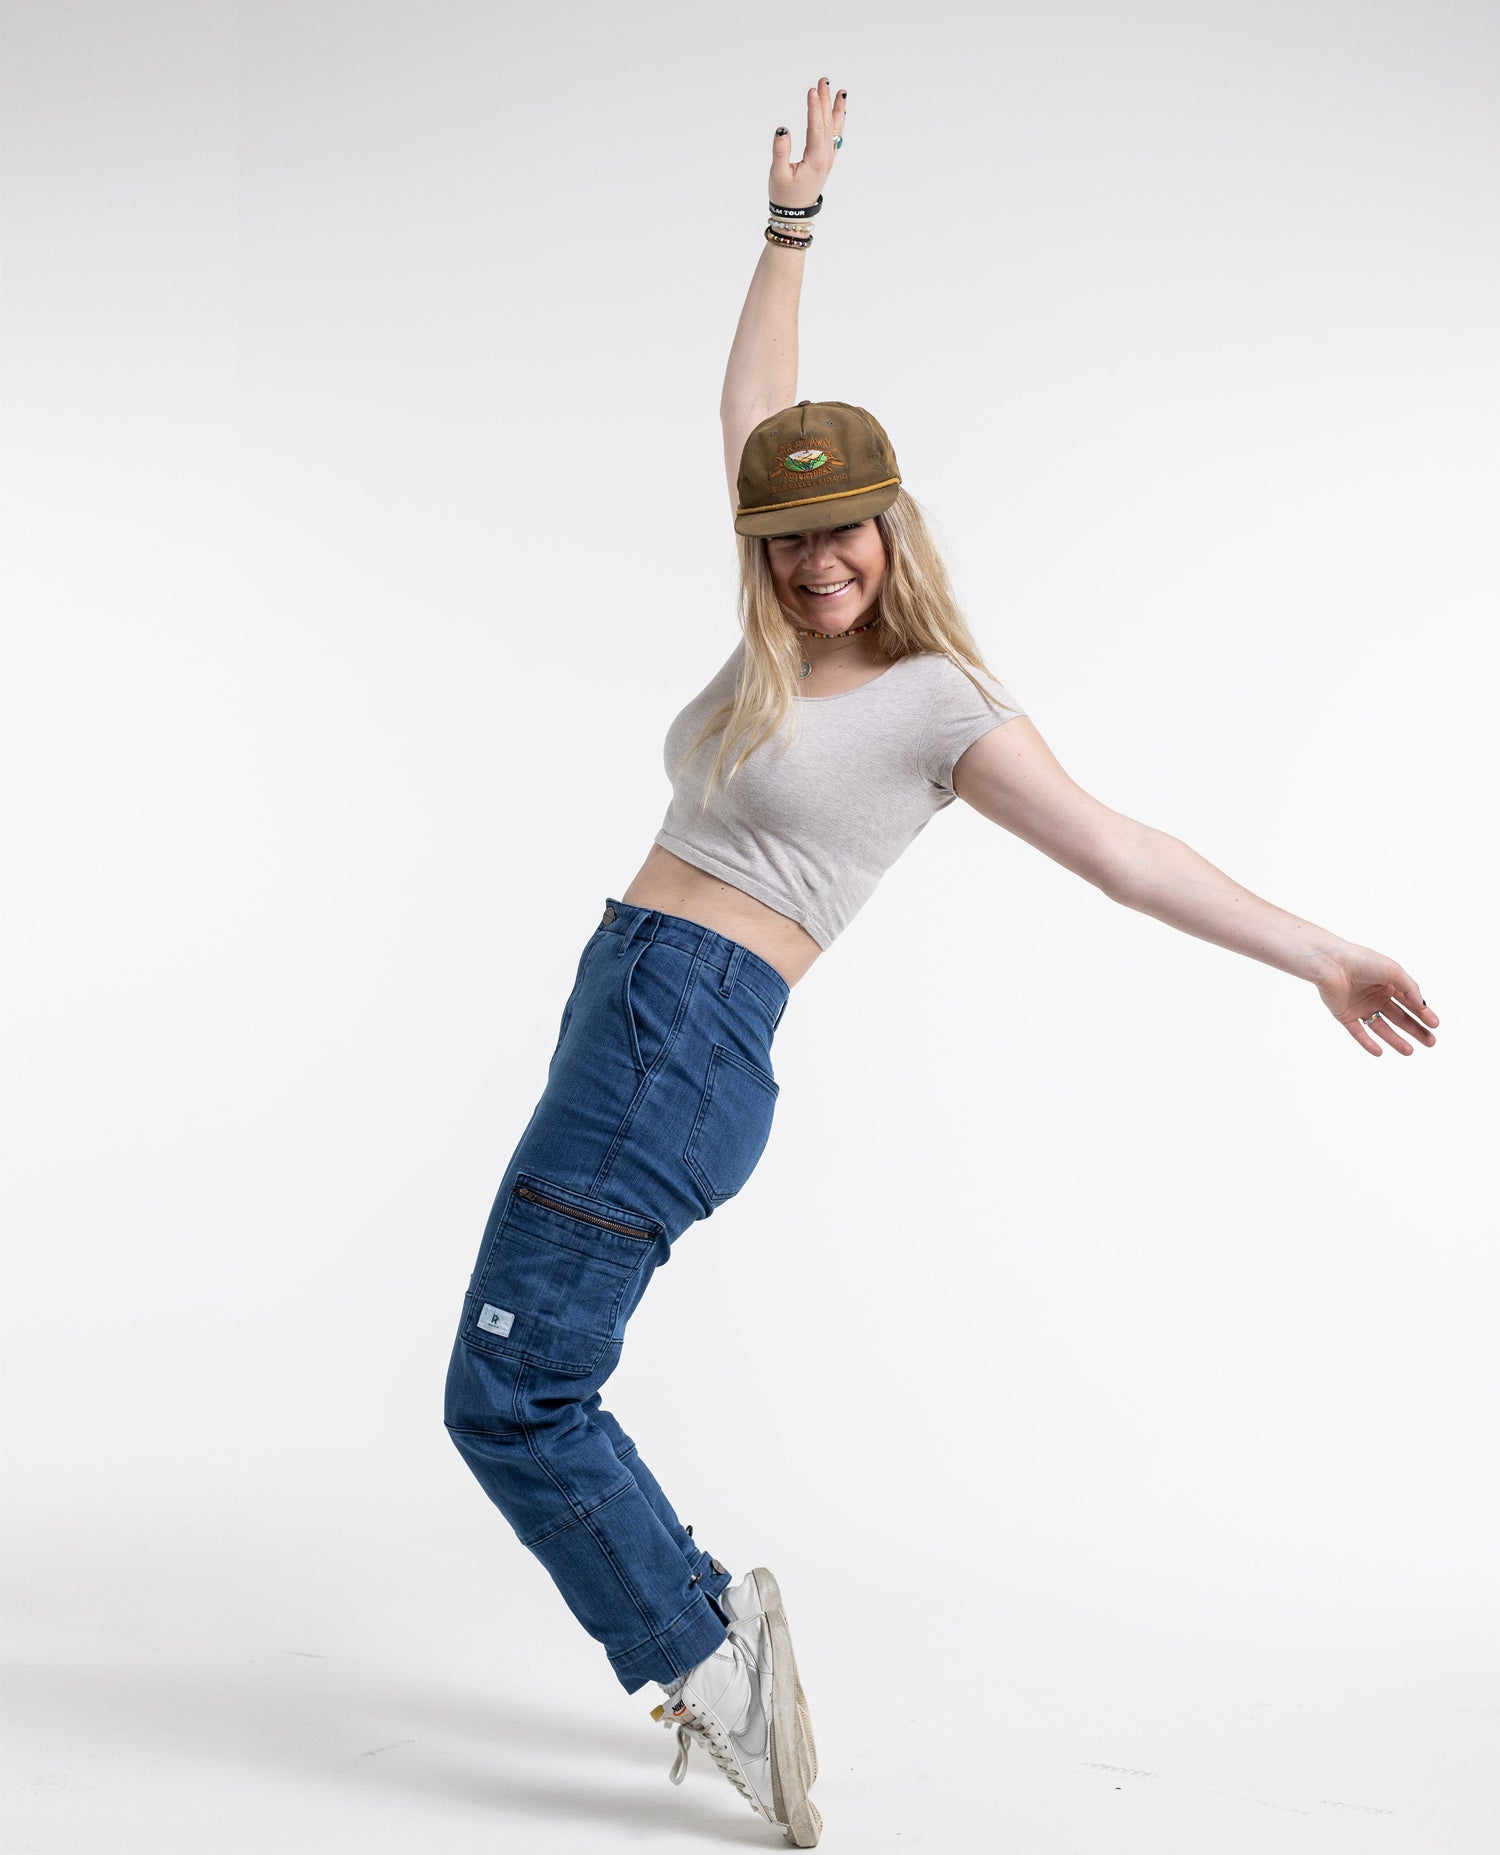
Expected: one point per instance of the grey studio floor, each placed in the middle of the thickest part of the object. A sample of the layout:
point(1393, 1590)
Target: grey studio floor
point(244, 1682)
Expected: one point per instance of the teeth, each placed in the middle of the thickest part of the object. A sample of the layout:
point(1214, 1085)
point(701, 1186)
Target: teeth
point(834, 586)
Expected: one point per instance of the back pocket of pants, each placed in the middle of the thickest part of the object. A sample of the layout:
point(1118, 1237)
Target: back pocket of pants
point(555, 1276)
point(733, 1123)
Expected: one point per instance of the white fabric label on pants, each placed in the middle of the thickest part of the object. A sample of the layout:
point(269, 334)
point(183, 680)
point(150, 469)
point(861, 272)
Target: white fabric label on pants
point(496, 1320)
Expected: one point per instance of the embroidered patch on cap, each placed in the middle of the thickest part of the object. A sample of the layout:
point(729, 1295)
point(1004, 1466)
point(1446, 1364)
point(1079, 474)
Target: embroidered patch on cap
point(790, 471)
point(496, 1320)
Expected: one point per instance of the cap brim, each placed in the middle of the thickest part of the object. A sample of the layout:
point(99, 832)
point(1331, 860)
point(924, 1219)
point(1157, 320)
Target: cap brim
point(817, 512)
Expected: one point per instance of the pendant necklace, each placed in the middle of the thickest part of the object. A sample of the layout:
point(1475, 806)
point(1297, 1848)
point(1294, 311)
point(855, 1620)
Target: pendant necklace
point(853, 631)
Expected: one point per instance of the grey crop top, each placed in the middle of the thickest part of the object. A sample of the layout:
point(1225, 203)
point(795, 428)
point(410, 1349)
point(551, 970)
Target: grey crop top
point(811, 829)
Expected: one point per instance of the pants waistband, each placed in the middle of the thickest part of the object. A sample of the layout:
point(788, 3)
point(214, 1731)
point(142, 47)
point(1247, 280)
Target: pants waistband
point(735, 965)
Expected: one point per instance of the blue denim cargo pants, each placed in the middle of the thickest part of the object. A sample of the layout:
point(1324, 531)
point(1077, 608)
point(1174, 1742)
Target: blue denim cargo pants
point(658, 1104)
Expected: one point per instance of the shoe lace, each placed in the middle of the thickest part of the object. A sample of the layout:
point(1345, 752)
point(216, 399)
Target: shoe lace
point(692, 1727)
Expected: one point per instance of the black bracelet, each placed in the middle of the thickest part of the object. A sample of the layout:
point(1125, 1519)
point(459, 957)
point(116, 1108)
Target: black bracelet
point(781, 238)
point(797, 212)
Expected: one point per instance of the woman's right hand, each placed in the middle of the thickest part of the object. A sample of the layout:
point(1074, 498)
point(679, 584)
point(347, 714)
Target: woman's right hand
point(798, 183)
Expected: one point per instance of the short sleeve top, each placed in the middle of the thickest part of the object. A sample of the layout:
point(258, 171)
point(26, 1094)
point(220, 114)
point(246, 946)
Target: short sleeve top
point(809, 825)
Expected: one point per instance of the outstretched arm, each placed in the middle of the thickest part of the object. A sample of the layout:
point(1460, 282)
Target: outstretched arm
point(1163, 877)
point(1013, 778)
point(761, 377)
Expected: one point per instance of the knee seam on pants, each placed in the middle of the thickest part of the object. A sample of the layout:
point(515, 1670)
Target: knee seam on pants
point(584, 1516)
point(578, 1517)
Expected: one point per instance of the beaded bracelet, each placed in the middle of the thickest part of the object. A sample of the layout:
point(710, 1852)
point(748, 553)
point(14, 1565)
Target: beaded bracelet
point(792, 244)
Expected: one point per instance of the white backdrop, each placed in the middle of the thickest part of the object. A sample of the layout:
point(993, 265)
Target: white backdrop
point(366, 528)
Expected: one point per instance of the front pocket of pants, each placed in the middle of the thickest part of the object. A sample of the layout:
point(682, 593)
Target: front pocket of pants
point(555, 1276)
point(654, 998)
point(594, 940)
point(732, 1125)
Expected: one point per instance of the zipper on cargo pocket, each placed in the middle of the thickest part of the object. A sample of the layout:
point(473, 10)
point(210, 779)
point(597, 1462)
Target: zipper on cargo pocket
point(569, 1210)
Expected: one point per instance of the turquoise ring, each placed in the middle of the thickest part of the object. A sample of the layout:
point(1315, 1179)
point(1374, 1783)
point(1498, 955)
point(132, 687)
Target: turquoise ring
point(838, 141)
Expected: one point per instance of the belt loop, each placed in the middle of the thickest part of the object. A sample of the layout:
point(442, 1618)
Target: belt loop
point(626, 939)
point(648, 920)
point(726, 983)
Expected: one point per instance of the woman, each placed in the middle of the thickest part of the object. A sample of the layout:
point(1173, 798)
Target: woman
point(854, 707)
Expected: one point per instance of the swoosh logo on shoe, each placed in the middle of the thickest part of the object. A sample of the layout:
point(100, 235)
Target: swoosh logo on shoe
point(754, 1747)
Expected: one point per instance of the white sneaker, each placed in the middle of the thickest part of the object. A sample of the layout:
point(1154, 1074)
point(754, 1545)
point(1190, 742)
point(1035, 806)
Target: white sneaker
point(741, 1703)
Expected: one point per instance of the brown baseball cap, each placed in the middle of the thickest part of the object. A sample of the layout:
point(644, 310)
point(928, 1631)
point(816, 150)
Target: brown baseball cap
point(819, 463)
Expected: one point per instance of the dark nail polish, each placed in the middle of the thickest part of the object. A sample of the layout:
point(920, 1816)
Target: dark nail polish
point(781, 131)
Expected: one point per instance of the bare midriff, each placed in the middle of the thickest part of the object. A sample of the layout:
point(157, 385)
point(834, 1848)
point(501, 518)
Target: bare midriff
point(664, 881)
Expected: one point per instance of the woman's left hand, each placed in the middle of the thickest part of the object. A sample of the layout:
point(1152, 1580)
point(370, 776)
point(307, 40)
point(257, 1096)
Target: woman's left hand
point(1363, 982)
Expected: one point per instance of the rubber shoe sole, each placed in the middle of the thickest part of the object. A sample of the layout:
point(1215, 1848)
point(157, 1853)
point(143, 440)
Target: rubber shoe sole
point(810, 1762)
point(790, 1755)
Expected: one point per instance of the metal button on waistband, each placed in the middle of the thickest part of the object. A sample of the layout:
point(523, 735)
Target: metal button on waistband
point(608, 915)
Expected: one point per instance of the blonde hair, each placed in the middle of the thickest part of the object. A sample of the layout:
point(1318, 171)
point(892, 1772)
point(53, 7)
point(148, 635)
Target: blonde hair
point(915, 611)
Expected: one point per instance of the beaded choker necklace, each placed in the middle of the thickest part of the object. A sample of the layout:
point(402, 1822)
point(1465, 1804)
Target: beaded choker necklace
point(853, 631)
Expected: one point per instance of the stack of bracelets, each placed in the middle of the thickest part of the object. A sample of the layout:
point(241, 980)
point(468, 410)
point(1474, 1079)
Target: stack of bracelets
point(786, 221)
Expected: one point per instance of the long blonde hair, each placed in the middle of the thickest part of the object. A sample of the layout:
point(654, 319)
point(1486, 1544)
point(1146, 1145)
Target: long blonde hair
point(915, 609)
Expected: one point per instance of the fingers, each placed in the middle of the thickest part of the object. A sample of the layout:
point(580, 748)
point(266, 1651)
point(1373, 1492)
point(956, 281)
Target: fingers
point(1382, 1026)
point(1363, 1038)
point(1410, 994)
point(825, 114)
point(1396, 1014)
point(1387, 1032)
point(825, 120)
point(1392, 1001)
point(1403, 1009)
point(817, 125)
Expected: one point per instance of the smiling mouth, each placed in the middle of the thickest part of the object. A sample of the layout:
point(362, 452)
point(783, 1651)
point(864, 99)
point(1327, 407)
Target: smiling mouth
point(830, 592)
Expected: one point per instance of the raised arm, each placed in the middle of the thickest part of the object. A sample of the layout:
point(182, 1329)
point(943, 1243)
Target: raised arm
point(761, 377)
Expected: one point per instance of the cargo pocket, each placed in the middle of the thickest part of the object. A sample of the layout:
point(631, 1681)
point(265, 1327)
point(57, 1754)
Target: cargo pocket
point(555, 1277)
point(733, 1123)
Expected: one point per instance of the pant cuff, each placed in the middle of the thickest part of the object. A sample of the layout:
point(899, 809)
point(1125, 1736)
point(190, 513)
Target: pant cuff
point(689, 1640)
